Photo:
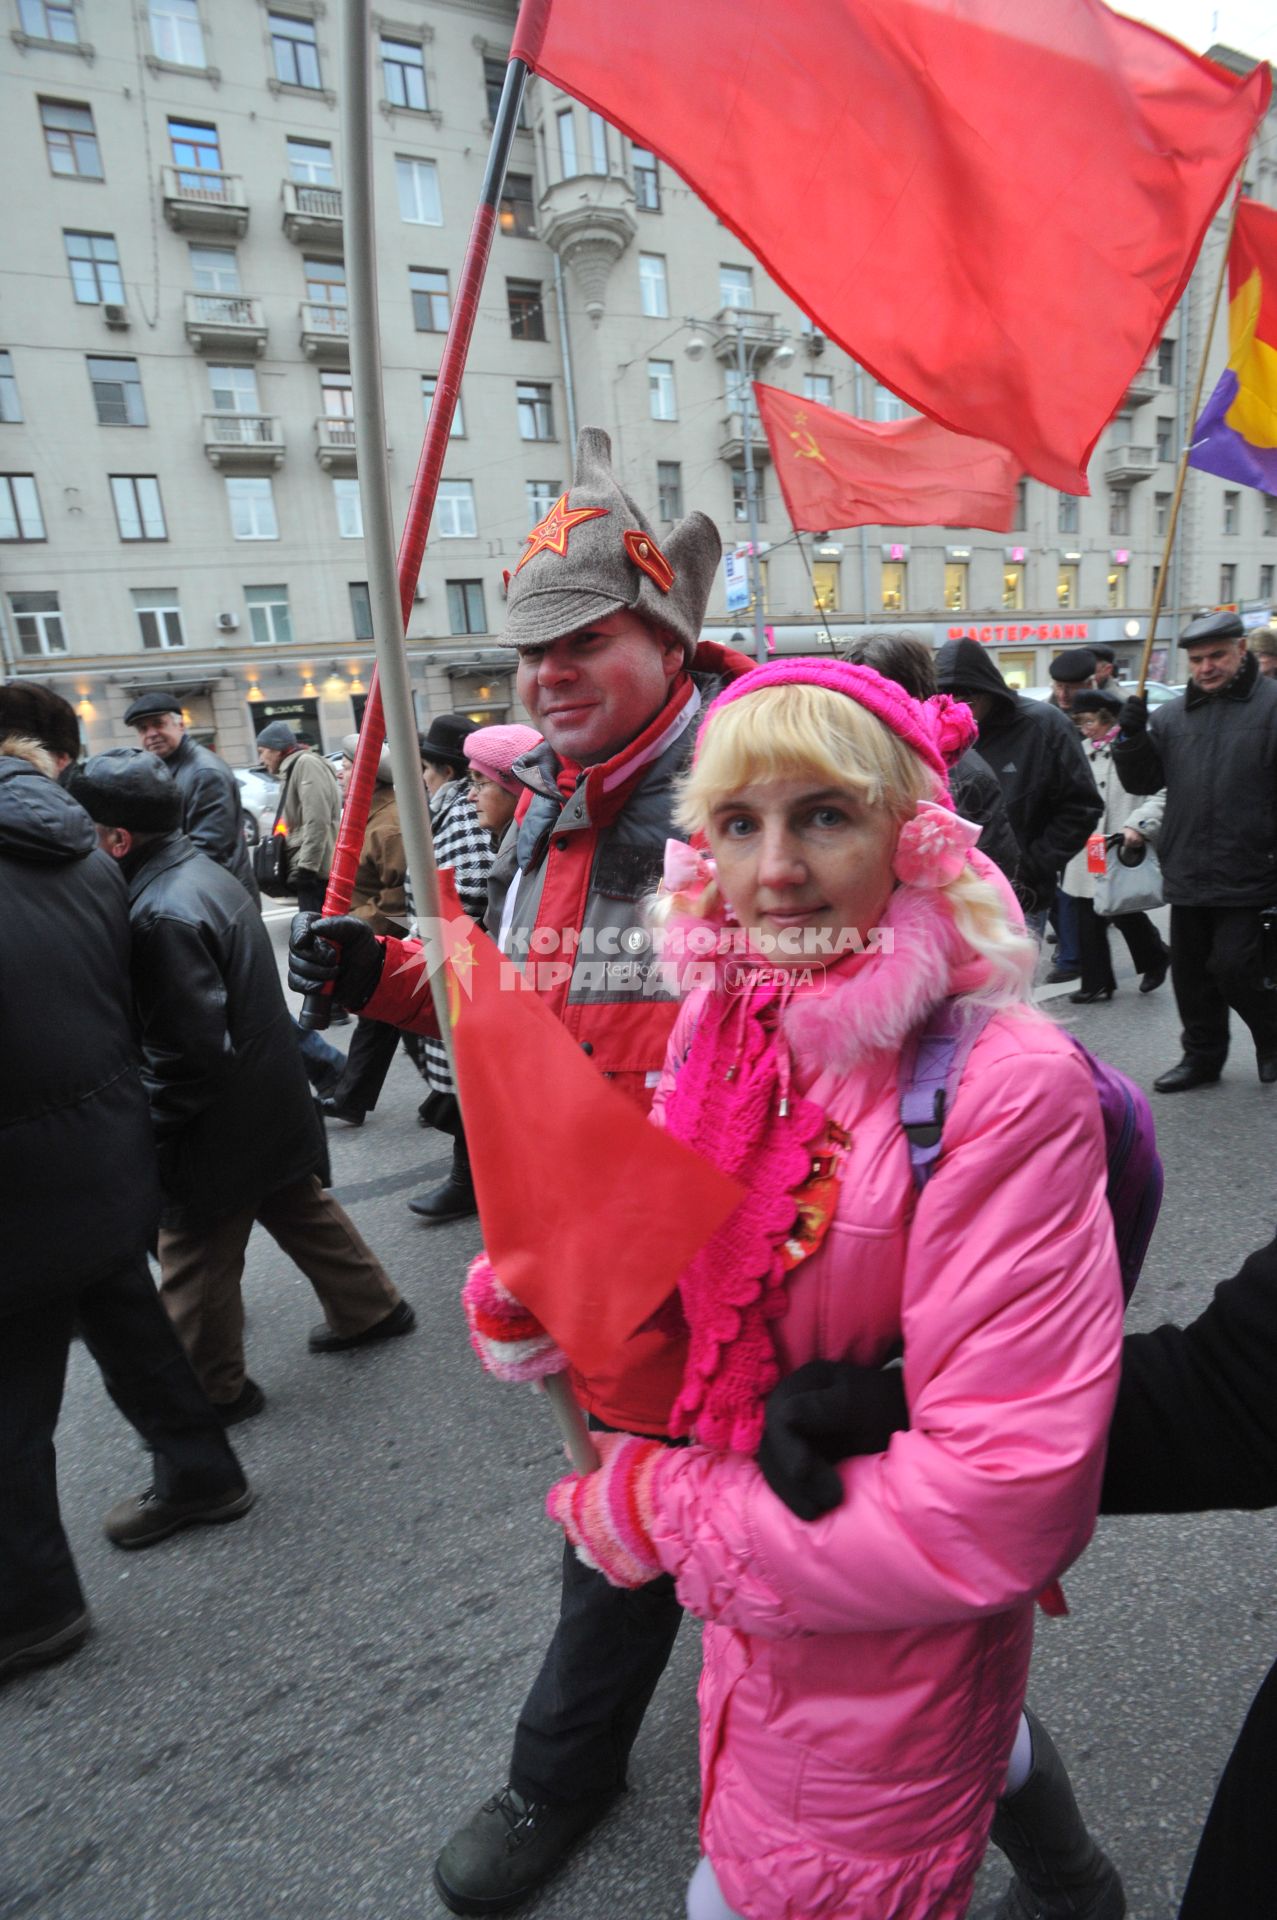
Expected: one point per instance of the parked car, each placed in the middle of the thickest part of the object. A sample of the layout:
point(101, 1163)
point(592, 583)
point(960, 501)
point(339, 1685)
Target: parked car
point(259, 796)
point(1156, 692)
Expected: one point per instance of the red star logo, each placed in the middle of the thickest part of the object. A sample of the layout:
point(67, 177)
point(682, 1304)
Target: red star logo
point(551, 535)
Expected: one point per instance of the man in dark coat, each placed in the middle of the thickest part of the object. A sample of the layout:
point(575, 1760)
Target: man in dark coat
point(80, 1199)
point(1215, 752)
point(212, 811)
point(1035, 751)
point(236, 1132)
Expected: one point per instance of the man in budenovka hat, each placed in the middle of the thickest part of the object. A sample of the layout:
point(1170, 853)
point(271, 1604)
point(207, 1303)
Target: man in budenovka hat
point(1213, 751)
point(212, 812)
point(606, 621)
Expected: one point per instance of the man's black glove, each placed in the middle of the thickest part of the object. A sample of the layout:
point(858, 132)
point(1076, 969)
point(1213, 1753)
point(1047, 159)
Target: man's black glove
point(1132, 716)
point(343, 950)
point(825, 1412)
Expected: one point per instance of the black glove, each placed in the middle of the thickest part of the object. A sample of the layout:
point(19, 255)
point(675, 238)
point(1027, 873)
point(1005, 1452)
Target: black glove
point(1132, 716)
point(343, 950)
point(825, 1412)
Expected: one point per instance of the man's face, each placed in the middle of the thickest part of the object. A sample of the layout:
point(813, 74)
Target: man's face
point(270, 758)
point(1212, 665)
point(1103, 673)
point(1066, 691)
point(594, 691)
point(1267, 665)
point(161, 733)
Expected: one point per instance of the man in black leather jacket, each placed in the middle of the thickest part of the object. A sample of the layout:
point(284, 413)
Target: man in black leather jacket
point(212, 812)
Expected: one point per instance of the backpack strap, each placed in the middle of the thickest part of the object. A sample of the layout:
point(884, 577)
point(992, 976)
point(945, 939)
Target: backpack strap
point(931, 1064)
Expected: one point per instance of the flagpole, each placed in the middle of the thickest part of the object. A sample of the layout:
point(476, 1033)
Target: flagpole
point(1159, 591)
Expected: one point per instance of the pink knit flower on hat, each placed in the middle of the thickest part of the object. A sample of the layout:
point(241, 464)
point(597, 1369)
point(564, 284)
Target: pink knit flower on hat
point(954, 724)
point(933, 846)
point(687, 869)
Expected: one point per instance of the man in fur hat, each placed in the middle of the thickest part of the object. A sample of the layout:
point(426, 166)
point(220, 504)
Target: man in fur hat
point(606, 622)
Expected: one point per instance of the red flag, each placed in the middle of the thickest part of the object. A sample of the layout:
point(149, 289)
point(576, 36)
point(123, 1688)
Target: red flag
point(835, 471)
point(994, 207)
point(589, 1212)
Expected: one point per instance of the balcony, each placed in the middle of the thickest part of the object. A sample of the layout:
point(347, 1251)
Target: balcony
point(244, 442)
point(587, 220)
point(335, 443)
point(198, 202)
point(217, 322)
point(1145, 384)
point(312, 215)
point(762, 332)
point(732, 446)
point(325, 333)
point(1124, 465)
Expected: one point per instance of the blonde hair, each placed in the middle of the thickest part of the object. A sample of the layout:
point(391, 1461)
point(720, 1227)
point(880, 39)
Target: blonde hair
point(801, 729)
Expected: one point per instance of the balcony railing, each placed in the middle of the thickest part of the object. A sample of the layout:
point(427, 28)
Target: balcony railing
point(311, 214)
point(335, 438)
point(1144, 384)
point(199, 201)
point(325, 330)
point(244, 439)
point(732, 446)
point(1123, 465)
point(225, 320)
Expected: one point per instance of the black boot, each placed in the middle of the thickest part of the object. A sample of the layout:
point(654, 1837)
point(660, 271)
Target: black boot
point(1060, 1873)
point(455, 1199)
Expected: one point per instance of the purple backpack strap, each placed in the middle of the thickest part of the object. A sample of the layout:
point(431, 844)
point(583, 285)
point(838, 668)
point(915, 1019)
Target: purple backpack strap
point(931, 1065)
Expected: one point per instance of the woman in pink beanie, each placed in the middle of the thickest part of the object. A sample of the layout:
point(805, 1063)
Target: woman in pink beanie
point(865, 1669)
point(492, 752)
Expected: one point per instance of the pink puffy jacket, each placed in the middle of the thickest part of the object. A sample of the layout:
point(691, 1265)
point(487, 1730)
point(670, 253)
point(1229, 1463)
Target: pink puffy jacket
point(863, 1674)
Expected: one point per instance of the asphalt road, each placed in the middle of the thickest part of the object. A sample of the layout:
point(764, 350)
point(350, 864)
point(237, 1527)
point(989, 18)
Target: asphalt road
point(282, 1719)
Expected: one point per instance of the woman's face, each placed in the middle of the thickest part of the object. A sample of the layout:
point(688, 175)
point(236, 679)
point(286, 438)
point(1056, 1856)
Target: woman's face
point(1094, 725)
point(801, 862)
point(494, 807)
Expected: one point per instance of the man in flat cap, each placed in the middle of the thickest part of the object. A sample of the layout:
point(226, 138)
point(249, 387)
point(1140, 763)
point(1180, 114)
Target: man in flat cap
point(1072, 671)
point(1214, 751)
point(238, 1138)
point(1105, 666)
point(212, 812)
point(309, 809)
point(606, 621)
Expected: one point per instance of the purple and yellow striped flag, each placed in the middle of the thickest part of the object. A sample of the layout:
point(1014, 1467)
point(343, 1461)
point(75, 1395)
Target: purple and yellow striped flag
point(1236, 436)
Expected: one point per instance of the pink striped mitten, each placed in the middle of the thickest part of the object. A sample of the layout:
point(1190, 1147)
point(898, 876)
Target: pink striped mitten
point(607, 1515)
point(510, 1341)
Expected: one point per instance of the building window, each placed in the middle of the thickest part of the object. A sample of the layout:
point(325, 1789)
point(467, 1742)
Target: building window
point(819, 387)
point(465, 607)
point(662, 400)
point(565, 121)
point(38, 623)
point(494, 86)
point(94, 260)
point(1232, 511)
point(11, 405)
point(824, 586)
point(20, 517)
point(1270, 505)
point(403, 64)
point(1022, 502)
point(654, 293)
point(454, 517)
point(527, 315)
point(69, 139)
point(536, 411)
point(418, 183)
point(895, 581)
point(159, 617)
point(325, 282)
point(647, 180)
point(337, 395)
point(1013, 586)
point(1066, 513)
point(1117, 586)
point(541, 496)
point(669, 489)
point(117, 392)
point(49, 20)
point(350, 515)
point(269, 620)
point(1166, 363)
point(430, 305)
point(735, 287)
point(598, 143)
point(360, 610)
point(176, 34)
point(740, 494)
point(252, 505)
point(1119, 510)
point(213, 269)
point(888, 405)
point(517, 214)
point(1161, 513)
point(310, 163)
point(1157, 575)
point(139, 512)
point(1266, 583)
point(295, 50)
point(1165, 438)
point(429, 382)
point(1066, 585)
point(955, 586)
point(197, 153)
point(1228, 584)
point(233, 389)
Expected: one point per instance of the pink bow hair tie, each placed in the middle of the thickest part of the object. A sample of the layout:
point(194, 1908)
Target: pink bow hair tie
point(686, 870)
point(933, 846)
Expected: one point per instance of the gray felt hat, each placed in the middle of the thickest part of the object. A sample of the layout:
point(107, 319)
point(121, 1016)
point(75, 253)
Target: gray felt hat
point(595, 554)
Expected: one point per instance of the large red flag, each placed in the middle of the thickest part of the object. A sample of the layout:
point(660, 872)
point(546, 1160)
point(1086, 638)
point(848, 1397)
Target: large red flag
point(993, 206)
point(835, 471)
point(589, 1212)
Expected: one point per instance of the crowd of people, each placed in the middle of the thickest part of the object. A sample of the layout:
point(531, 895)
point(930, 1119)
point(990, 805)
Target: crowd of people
point(881, 1415)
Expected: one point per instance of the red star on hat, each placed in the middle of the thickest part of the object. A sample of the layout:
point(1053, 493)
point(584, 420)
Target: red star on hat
point(551, 534)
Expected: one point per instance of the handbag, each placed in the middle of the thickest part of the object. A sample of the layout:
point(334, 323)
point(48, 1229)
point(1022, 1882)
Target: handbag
point(270, 858)
point(1131, 881)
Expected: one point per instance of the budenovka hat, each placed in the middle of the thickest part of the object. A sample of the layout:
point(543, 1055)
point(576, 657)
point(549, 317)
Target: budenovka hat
point(595, 554)
point(278, 736)
point(1212, 626)
point(444, 739)
point(1072, 666)
point(129, 788)
point(147, 704)
point(494, 750)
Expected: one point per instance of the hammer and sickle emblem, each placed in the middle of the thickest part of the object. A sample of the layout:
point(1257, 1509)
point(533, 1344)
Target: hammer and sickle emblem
point(806, 446)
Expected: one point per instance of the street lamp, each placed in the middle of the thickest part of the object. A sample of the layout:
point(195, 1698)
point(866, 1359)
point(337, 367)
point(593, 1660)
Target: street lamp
point(747, 357)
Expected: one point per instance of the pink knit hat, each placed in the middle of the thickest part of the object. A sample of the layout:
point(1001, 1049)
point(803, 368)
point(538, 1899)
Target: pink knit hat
point(494, 750)
point(938, 730)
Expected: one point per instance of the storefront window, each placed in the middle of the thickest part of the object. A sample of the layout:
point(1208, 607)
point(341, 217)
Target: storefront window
point(1117, 586)
point(1013, 586)
point(955, 586)
point(1066, 586)
point(1016, 669)
point(894, 574)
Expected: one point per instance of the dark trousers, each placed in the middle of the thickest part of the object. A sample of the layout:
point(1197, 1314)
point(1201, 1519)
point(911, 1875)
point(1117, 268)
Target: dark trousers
point(1235, 1868)
point(1217, 963)
point(1143, 941)
point(368, 1058)
point(150, 1380)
